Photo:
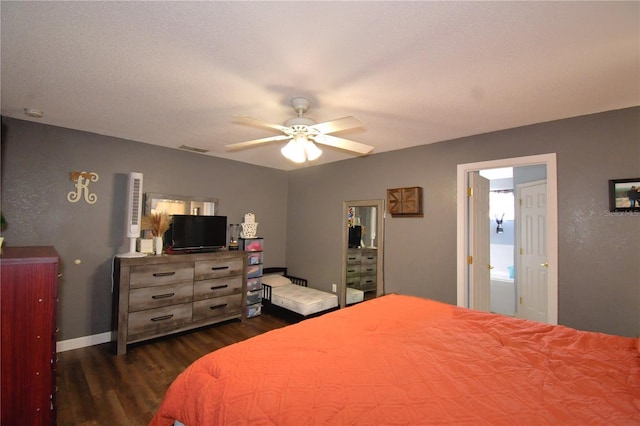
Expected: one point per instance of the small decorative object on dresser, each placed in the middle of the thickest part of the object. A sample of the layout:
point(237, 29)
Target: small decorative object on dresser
point(158, 224)
point(145, 245)
point(234, 234)
point(249, 226)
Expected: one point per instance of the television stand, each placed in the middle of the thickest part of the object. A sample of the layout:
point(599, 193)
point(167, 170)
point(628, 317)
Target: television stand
point(155, 296)
point(195, 251)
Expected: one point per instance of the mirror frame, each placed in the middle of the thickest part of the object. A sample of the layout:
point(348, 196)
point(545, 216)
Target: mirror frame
point(150, 197)
point(381, 215)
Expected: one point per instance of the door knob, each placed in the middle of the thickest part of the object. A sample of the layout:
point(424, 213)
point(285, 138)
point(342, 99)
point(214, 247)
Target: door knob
point(490, 266)
point(545, 264)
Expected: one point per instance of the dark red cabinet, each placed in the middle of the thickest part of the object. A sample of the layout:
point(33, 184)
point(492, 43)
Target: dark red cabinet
point(28, 298)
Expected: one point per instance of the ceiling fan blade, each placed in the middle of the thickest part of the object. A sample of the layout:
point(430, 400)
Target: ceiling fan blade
point(260, 123)
point(341, 143)
point(248, 144)
point(333, 126)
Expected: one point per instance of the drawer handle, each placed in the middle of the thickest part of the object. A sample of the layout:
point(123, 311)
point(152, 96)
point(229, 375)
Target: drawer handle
point(369, 269)
point(218, 287)
point(163, 296)
point(351, 258)
point(163, 274)
point(219, 268)
point(162, 318)
point(351, 270)
point(370, 258)
point(214, 307)
point(369, 281)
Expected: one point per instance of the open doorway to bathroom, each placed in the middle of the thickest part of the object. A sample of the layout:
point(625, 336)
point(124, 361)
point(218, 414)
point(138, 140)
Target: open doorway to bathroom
point(502, 240)
point(510, 256)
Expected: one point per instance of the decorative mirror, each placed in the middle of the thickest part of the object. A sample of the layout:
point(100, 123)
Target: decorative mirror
point(362, 248)
point(180, 204)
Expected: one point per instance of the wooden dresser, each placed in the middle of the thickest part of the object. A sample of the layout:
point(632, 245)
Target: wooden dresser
point(362, 270)
point(29, 292)
point(158, 295)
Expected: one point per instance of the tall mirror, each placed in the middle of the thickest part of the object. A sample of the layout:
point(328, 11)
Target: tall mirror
point(362, 250)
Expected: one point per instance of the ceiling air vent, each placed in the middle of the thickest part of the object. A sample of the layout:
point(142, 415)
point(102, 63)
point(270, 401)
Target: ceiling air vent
point(193, 148)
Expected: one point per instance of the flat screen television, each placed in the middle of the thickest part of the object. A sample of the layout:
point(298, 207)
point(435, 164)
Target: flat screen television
point(355, 236)
point(189, 233)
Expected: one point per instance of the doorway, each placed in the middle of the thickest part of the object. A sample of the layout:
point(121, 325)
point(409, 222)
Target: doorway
point(467, 292)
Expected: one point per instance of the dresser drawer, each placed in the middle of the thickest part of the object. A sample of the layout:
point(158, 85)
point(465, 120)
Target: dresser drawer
point(254, 271)
point(353, 257)
point(206, 269)
point(368, 269)
point(353, 281)
point(216, 287)
point(254, 297)
point(353, 271)
point(163, 274)
point(368, 283)
point(254, 284)
point(254, 258)
point(368, 257)
point(159, 319)
point(158, 296)
point(217, 307)
point(362, 269)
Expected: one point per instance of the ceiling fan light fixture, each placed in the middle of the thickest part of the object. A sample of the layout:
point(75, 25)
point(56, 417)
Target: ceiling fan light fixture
point(313, 152)
point(295, 150)
point(301, 149)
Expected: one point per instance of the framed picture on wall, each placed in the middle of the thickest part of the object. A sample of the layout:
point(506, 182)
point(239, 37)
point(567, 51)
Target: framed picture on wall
point(624, 195)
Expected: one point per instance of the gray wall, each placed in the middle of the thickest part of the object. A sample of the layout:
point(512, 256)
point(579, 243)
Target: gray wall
point(300, 212)
point(36, 163)
point(599, 252)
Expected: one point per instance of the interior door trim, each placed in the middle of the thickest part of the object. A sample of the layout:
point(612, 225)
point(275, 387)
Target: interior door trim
point(552, 215)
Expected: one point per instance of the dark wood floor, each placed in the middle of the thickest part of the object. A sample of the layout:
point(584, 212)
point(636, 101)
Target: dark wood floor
point(96, 387)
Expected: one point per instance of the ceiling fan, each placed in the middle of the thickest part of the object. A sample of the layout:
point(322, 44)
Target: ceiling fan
point(303, 132)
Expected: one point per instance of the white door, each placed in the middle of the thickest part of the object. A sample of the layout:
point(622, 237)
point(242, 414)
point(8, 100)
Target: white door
point(479, 256)
point(532, 270)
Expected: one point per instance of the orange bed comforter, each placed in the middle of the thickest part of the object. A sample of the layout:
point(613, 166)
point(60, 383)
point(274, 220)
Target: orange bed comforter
point(401, 360)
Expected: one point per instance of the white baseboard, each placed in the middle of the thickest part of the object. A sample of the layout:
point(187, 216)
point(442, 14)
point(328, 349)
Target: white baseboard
point(83, 342)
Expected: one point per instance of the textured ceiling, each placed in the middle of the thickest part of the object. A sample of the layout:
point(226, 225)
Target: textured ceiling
point(175, 73)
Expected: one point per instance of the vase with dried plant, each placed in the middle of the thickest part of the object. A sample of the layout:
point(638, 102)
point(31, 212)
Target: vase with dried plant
point(158, 224)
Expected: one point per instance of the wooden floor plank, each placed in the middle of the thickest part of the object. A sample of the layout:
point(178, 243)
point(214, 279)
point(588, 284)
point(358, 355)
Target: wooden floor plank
point(96, 387)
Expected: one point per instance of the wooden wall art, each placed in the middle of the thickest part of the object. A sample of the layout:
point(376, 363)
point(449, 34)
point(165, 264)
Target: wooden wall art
point(405, 202)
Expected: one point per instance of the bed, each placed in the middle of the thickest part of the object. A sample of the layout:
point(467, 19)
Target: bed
point(406, 360)
point(289, 297)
